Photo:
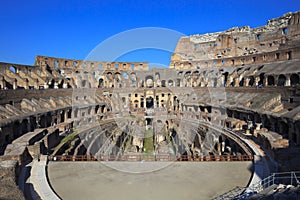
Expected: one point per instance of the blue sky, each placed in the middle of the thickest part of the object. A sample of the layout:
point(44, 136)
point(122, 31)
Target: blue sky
point(72, 29)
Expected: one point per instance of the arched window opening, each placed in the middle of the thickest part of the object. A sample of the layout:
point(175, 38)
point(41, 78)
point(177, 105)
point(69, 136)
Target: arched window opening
point(125, 75)
point(56, 64)
point(13, 69)
point(251, 81)
point(101, 83)
point(294, 79)
point(241, 84)
point(271, 81)
point(281, 80)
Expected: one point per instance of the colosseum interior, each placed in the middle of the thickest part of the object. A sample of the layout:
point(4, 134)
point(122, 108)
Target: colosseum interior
point(222, 94)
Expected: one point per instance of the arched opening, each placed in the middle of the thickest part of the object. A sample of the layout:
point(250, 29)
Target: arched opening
point(56, 64)
point(125, 75)
point(271, 80)
point(13, 69)
point(294, 79)
point(133, 77)
point(163, 83)
point(251, 81)
point(101, 83)
point(148, 122)
point(16, 129)
point(170, 83)
point(62, 116)
point(284, 129)
point(225, 77)
point(149, 102)
point(241, 84)
point(136, 103)
point(149, 82)
point(83, 83)
point(51, 84)
point(24, 126)
point(261, 79)
point(281, 80)
point(162, 103)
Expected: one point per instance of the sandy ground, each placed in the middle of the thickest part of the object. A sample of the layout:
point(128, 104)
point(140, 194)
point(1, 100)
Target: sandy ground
point(148, 180)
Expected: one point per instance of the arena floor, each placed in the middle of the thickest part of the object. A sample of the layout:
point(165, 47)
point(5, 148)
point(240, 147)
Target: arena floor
point(146, 180)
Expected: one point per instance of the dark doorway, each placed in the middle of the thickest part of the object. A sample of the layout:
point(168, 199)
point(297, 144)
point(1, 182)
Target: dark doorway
point(149, 102)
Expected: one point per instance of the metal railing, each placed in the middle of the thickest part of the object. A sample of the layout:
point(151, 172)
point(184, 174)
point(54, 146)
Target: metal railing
point(149, 157)
point(286, 178)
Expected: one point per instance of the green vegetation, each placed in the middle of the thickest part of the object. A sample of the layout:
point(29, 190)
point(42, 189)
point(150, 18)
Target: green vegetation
point(148, 142)
point(66, 139)
point(69, 137)
point(132, 116)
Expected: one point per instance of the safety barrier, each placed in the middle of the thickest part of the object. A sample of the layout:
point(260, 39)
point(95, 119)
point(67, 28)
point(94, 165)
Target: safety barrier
point(286, 178)
point(147, 157)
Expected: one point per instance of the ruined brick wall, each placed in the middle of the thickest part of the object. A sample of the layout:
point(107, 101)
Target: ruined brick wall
point(277, 41)
point(63, 63)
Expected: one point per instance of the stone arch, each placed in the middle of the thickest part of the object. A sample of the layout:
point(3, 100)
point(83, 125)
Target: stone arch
point(149, 81)
point(13, 69)
point(136, 103)
point(294, 79)
point(170, 83)
point(281, 80)
point(271, 80)
point(100, 82)
point(125, 75)
point(56, 64)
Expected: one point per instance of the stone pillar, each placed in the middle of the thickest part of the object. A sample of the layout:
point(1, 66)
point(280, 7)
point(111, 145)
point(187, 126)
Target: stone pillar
point(26, 86)
point(258, 126)
point(246, 83)
point(15, 84)
point(266, 81)
point(55, 85)
point(93, 110)
point(236, 82)
point(72, 114)
point(2, 83)
point(46, 86)
point(66, 115)
point(288, 81)
point(256, 81)
point(65, 85)
point(36, 84)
